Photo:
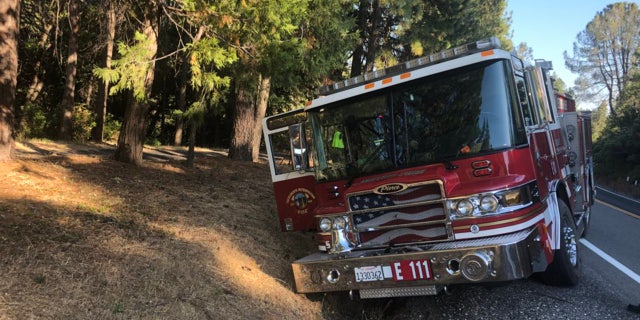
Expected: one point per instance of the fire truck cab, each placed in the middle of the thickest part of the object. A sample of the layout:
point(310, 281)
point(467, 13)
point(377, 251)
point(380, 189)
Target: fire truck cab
point(463, 166)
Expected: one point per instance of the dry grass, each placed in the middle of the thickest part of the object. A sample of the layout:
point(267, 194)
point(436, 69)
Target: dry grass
point(85, 237)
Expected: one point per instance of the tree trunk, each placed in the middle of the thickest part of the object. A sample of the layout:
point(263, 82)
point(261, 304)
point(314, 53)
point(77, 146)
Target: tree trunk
point(181, 102)
point(103, 90)
point(72, 66)
point(36, 83)
point(247, 120)
point(38, 70)
point(133, 131)
point(183, 83)
point(191, 153)
point(261, 110)
point(9, 26)
point(88, 94)
point(243, 125)
point(374, 35)
point(357, 59)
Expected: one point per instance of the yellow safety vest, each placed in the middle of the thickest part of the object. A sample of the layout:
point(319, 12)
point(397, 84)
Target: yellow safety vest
point(337, 140)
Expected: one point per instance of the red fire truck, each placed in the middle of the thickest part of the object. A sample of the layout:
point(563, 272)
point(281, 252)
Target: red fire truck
point(458, 167)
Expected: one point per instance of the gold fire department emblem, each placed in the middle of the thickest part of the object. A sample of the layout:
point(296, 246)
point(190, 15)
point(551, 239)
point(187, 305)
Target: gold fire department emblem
point(300, 198)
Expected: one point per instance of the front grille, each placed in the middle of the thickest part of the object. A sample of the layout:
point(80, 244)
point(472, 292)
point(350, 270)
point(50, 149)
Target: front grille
point(414, 215)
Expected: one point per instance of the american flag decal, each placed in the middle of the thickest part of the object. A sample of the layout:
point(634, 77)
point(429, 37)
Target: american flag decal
point(414, 194)
point(414, 215)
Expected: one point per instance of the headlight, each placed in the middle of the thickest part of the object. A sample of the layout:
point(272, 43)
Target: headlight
point(464, 207)
point(488, 204)
point(339, 223)
point(325, 224)
point(493, 203)
point(512, 198)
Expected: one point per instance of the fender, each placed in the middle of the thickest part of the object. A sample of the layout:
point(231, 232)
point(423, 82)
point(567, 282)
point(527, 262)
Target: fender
point(552, 218)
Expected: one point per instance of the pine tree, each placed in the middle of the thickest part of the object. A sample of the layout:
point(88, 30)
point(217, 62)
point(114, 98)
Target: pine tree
point(9, 13)
point(606, 51)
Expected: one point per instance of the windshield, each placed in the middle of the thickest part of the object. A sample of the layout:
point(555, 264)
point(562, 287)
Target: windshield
point(461, 113)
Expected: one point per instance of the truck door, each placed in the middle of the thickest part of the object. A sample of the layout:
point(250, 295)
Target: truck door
point(543, 130)
point(287, 139)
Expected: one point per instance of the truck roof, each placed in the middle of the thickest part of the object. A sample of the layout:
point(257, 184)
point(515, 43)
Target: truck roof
point(410, 70)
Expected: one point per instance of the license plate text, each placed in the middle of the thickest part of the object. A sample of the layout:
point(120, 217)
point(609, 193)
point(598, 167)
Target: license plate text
point(373, 273)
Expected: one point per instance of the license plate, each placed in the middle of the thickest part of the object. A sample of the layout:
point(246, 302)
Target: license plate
point(410, 270)
point(372, 273)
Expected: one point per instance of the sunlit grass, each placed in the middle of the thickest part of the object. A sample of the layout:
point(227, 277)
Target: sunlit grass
point(84, 237)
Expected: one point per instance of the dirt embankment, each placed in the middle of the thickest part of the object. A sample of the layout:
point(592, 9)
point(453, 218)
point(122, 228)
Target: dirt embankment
point(86, 237)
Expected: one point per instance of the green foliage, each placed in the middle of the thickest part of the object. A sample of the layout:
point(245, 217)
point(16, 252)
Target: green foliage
point(326, 39)
point(118, 308)
point(130, 71)
point(410, 28)
point(525, 53)
point(33, 122)
point(269, 43)
point(606, 51)
point(111, 128)
point(83, 121)
point(298, 44)
point(598, 121)
point(152, 141)
point(207, 59)
point(558, 84)
point(617, 150)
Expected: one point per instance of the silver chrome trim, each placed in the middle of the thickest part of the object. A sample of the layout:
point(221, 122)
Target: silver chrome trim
point(513, 256)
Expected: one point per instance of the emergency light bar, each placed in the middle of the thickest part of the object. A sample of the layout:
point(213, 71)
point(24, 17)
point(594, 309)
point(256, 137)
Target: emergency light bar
point(467, 49)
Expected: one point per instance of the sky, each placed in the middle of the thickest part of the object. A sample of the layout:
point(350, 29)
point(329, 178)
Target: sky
point(550, 27)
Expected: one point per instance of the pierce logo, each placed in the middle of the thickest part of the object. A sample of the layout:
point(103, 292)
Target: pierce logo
point(390, 188)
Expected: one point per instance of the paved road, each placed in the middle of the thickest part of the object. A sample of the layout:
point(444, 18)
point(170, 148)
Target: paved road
point(604, 292)
point(615, 230)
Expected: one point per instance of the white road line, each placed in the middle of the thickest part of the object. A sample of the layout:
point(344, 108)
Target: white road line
point(611, 260)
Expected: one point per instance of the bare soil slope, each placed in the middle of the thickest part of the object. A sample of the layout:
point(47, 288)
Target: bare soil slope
point(86, 237)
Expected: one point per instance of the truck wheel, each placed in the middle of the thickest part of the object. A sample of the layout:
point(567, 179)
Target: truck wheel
point(586, 220)
point(565, 268)
point(592, 193)
point(587, 215)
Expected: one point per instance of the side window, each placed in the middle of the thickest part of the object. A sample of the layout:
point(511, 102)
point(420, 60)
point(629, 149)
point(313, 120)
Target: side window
point(298, 138)
point(539, 95)
point(525, 102)
point(281, 152)
point(290, 149)
point(537, 98)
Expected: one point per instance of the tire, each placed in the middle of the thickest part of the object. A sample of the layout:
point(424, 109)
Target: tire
point(586, 221)
point(566, 265)
point(587, 215)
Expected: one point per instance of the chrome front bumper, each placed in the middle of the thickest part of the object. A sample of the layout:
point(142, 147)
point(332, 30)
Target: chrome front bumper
point(501, 258)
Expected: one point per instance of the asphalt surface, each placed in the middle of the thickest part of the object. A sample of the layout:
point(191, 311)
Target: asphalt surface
point(604, 292)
